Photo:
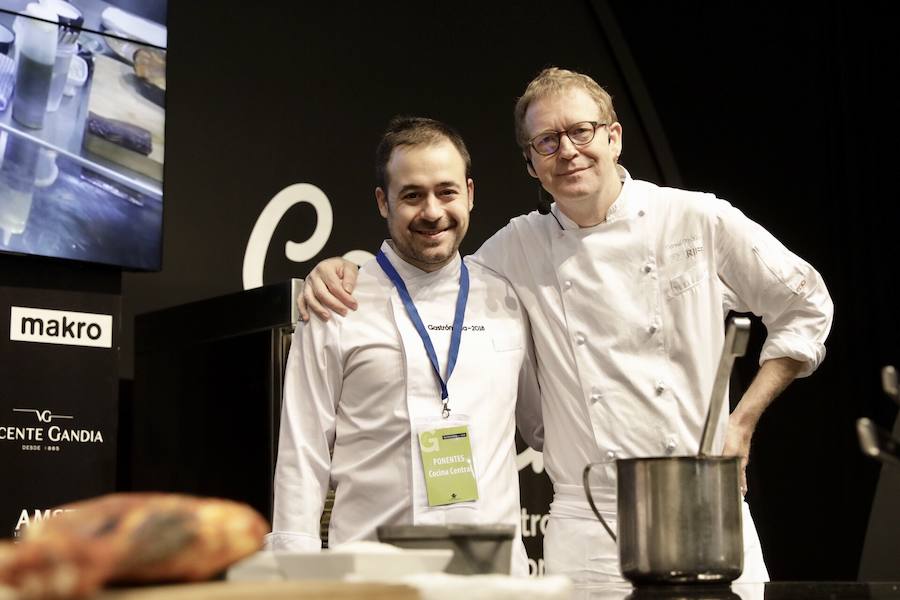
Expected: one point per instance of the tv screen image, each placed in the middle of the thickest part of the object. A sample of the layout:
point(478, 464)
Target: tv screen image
point(82, 132)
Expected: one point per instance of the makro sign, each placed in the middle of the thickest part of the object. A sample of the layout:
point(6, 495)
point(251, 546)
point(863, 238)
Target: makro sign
point(66, 327)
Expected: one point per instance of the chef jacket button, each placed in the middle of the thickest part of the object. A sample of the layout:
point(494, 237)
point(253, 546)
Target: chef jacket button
point(660, 387)
point(579, 339)
point(610, 454)
point(595, 397)
point(647, 268)
point(641, 213)
point(671, 444)
point(653, 329)
point(567, 284)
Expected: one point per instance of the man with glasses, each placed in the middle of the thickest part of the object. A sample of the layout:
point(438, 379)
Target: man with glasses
point(627, 286)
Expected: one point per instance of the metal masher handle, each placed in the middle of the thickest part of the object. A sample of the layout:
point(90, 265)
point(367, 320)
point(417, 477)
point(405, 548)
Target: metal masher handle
point(736, 337)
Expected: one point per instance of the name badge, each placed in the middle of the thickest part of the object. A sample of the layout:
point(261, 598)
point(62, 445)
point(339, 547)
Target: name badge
point(447, 465)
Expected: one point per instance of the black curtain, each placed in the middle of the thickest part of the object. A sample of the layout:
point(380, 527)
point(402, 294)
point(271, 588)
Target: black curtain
point(786, 110)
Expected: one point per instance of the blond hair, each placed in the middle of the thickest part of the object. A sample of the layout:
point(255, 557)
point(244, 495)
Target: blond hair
point(554, 81)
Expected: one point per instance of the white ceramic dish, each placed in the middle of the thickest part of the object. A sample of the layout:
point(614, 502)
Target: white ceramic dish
point(78, 71)
point(134, 27)
point(338, 564)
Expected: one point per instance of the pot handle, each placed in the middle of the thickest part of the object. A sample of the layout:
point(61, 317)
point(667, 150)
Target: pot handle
point(585, 480)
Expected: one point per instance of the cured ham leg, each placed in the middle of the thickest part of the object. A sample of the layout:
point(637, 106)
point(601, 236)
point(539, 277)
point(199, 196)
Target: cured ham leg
point(141, 537)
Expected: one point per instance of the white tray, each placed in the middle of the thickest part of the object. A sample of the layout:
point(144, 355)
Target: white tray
point(339, 564)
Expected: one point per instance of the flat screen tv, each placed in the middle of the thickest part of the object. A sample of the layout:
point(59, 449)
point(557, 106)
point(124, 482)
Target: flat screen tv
point(82, 131)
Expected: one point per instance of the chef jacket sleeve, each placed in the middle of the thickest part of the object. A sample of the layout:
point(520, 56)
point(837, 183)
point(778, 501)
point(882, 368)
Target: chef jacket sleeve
point(501, 253)
point(764, 277)
point(312, 387)
point(528, 403)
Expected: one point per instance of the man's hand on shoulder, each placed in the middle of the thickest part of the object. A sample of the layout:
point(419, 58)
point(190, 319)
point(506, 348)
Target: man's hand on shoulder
point(327, 288)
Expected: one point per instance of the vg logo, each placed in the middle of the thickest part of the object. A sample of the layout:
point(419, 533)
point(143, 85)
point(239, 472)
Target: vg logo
point(44, 416)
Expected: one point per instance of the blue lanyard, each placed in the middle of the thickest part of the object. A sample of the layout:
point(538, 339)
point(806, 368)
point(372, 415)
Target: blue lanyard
point(455, 335)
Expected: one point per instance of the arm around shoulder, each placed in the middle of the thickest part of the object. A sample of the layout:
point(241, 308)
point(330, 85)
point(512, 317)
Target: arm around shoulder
point(506, 252)
point(328, 287)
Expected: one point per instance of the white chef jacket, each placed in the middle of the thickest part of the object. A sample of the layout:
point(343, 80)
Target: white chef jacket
point(627, 318)
point(355, 384)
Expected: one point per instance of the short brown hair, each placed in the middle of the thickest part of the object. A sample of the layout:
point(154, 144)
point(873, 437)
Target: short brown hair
point(553, 81)
point(415, 131)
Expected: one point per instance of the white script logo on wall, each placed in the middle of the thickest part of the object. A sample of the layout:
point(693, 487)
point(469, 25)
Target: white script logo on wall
point(46, 431)
point(270, 217)
point(65, 327)
point(530, 457)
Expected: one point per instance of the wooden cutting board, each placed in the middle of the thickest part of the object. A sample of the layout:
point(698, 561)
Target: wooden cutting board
point(268, 590)
point(115, 95)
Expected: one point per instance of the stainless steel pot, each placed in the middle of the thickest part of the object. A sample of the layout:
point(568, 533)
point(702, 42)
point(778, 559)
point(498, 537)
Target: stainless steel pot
point(680, 517)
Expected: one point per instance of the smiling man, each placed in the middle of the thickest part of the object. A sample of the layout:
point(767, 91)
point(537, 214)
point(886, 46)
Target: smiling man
point(427, 209)
point(408, 407)
point(627, 285)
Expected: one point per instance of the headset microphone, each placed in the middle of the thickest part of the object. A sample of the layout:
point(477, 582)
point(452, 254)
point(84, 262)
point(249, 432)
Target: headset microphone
point(543, 203)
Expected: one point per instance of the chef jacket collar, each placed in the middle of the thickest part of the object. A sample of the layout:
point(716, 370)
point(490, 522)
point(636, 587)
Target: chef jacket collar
point(414, 274)
point(617, 210)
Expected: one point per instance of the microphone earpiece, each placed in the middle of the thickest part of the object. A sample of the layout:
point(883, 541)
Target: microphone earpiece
point(543, 204)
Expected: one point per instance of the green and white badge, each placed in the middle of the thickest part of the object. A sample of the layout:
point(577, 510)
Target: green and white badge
point(447, 465)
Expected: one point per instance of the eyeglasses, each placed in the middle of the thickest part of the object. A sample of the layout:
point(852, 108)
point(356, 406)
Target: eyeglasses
point(580, 134)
